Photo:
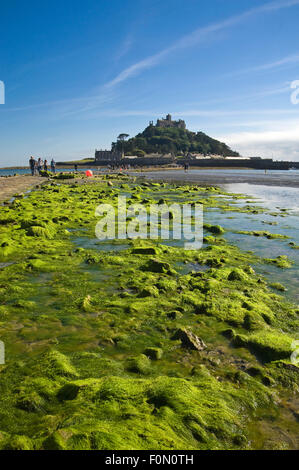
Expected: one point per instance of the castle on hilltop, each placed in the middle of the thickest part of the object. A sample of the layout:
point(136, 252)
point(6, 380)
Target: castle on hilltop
point(167, 122)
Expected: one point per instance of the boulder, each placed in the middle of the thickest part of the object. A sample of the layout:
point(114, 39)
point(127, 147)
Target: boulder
point(189, 339)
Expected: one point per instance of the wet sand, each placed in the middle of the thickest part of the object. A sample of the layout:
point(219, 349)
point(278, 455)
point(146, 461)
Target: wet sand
point(17, 184)
point(223, 177)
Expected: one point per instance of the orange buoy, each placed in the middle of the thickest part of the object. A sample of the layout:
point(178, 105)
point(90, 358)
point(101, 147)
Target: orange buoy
point(88, 173)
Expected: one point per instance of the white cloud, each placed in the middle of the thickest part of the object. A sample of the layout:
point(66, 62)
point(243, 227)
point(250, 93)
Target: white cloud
point(285, 61)
point(281, 142)
point(124, 48)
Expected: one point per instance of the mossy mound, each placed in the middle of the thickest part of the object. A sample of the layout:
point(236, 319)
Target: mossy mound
point(160, 413)
point(64, 176)
point(270, 346)
point(215, 229)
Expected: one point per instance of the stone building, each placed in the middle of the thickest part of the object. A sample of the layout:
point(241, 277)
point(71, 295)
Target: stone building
point(168, 122)
point(108, 155)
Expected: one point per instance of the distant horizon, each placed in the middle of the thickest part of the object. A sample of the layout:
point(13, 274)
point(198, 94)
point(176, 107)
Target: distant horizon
point(75, 75)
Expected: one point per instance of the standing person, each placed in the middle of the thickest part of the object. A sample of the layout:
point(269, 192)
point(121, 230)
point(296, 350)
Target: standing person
point(32, 164)
point(39, 165)
point(76, 167)
point(53, 165)
point(45, 165)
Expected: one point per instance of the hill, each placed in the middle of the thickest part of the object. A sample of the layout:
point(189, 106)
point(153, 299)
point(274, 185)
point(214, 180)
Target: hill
point(155, 139)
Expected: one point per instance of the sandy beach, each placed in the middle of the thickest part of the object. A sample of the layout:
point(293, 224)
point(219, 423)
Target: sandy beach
point(221, 177)
point(17, 184)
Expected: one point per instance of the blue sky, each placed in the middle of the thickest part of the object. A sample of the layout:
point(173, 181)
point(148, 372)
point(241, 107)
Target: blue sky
point(77, 73)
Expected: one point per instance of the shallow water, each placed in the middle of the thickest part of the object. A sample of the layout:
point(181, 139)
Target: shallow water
point(282, 197)
point(271, 198)
point(276, 200)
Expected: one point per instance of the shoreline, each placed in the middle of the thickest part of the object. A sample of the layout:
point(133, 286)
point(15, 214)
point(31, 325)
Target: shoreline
point(204, 176)
point(210, 177)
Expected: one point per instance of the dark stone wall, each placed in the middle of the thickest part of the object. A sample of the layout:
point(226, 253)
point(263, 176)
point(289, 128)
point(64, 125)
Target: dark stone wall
point(263, 164)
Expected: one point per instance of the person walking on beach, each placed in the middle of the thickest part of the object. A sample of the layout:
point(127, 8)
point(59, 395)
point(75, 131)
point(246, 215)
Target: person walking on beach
point(32, 164)
point(45, 165)
point(53, 165)
point(39, 165)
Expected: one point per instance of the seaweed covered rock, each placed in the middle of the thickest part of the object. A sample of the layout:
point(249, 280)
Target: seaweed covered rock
point(139, 364)
point(64, 176)
point(268, 345)
point(38, 231)
point(278, 286)
point(6, 249)
point(16, 442)
point(237, 275)
point(146, 250)
point(157, 266)
point(281, 261)
point(54, 364)
point(189, 339)
point(153, 353)
point(215, 229)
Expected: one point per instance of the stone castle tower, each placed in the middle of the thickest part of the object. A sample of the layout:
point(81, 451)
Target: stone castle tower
point(168, 122)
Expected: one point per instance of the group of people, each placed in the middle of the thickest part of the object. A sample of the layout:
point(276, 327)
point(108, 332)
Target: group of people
point(37, 166)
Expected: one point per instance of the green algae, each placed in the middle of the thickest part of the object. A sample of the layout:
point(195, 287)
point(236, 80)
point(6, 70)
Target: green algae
point(109, 316)
point(278, 286)
point(281, 261)
point(263, 233)
point(215, 229)
point(269, 345)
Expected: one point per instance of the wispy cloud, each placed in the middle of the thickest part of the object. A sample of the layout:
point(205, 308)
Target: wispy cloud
point(242, 97)
point(68, 107)
point(124, 48)
point(285, 61)
point(196, 37)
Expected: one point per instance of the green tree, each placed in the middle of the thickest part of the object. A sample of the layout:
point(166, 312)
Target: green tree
point(121, 138)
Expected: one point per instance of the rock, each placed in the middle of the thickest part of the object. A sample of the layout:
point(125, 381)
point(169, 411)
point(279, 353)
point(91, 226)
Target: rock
point(139, 364)
point(151, 291)
point(156, 266)
point(153, 353)
point(229, 333)
point(174, 315)
point(189, 339)
point(237, 275)
point(148, 250)
point(68, 392)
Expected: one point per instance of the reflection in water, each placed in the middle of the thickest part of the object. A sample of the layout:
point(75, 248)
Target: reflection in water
point(271, 197)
